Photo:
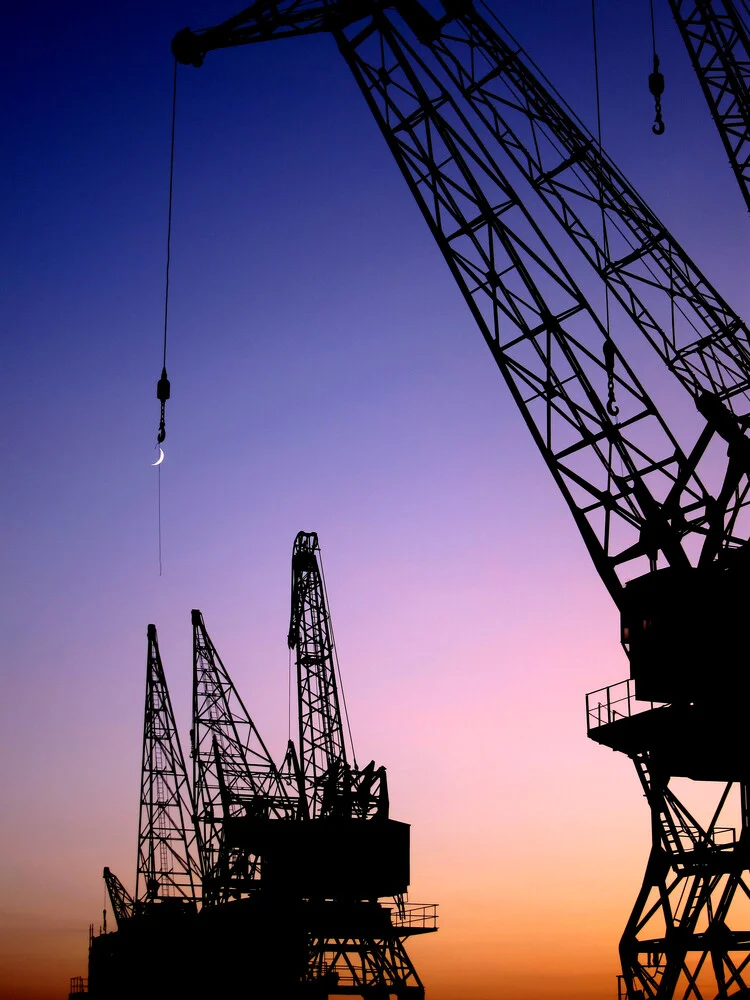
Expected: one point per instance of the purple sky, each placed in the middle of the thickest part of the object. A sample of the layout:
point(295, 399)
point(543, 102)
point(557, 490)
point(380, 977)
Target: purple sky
point(327, 376)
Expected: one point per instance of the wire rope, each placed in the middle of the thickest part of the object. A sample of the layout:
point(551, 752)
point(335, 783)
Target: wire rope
point(613, 223)
point(169, 215)
point(609, 348)
point(162, 386)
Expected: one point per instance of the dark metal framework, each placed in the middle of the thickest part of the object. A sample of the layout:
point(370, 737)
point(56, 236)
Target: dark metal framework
point(363, 966)
point(120, 899)
point(321, 732)
point(688, 935)
point(233, 774)
point(166, 835)
point(632, 490)
point(683, 938)
point(453, 95)
point(331, 786)
point(717, 37)
point(336, 791)
point(441, 89)
point(289, 866)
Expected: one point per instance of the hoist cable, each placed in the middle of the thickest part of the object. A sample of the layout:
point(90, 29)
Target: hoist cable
point(609, 348)
point(169, 216)
point(158, 512)
point(520, 50)
point(653, 28)
point(162, 386)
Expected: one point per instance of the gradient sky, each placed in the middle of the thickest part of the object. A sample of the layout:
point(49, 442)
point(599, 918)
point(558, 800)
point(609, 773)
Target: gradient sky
point(326, 375)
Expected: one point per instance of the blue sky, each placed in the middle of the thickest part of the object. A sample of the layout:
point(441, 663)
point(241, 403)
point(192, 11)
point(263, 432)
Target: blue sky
point(326, 376)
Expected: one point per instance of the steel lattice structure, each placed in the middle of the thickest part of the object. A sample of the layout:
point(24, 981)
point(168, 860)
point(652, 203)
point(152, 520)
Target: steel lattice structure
point(120, 899)
point(278, 888)
point(166, 835)
point(363, 966)
point(440, 96)
point(683, 937)
point(485, 148)
point(688, 935)
point(321, 732)
point(331, 785)
point(346, 809)
point(717, 38)
point(233, 774)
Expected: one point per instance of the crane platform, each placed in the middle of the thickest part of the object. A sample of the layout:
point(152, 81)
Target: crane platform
point(706, 742)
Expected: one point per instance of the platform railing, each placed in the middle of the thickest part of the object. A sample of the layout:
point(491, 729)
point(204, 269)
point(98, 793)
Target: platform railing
point(78, 985)
point(690, 838)
point(622, 991)
point(421, 916)
point(609, 704)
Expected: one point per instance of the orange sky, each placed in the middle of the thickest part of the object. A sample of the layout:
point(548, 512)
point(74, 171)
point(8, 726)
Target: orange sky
point(326, 377)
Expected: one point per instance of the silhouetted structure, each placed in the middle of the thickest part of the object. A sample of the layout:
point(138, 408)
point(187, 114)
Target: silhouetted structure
point(167, 871)
point(260, 881)
point(454, 95)
point(717, 37)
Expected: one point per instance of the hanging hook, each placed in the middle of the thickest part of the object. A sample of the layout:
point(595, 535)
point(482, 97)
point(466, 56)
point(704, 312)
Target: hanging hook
point(656, 86)
point(609, 363)
point(162, 394)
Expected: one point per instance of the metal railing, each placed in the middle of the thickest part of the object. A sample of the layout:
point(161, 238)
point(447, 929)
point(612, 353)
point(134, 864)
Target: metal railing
point(622, 991)
point(78, 985)
point(690, 838)
point(416, 915)
point(617, 701)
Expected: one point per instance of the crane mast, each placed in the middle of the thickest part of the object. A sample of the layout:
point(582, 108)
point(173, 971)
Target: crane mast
point(120, 899)
point(484, 145)
point(233, 776)
point(331, 786)
point(166, 863)
point(717, 38)
point(321, 732)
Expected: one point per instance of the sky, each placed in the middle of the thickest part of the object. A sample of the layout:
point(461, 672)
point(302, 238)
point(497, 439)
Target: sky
point(326, 376)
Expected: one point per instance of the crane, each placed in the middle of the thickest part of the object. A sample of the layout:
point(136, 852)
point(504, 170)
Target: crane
point(330, 786)
point(150, 954)
point(167, 870)
point(309, 846)
point(120, 899)
point(260, 877)
point(233, 775)
point(663, 514)
point(717, 38)
point(354, 853)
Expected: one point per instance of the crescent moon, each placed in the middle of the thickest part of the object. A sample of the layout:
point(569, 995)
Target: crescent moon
point(160, 459)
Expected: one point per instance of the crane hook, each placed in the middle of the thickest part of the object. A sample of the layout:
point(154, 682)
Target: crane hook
point(656, 86)
point(609, 363)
